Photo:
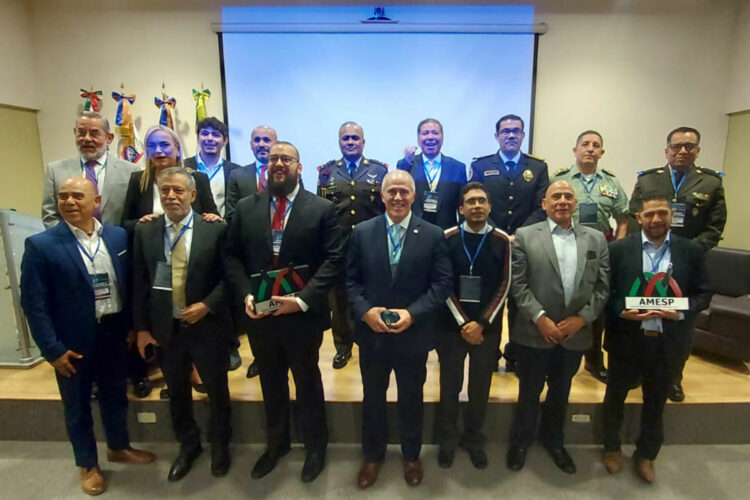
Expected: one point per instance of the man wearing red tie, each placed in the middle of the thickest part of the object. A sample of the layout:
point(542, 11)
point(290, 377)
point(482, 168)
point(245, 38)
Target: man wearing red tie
point(251, 178)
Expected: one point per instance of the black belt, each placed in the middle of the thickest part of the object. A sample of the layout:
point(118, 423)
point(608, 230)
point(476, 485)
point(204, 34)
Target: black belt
point(107, 318)
point(651, 333)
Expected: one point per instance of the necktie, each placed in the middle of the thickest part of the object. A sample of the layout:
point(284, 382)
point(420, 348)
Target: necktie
point(397, 238)
point(278, 215)
point(352, 169)
point(179, 268)
point(262, 178)
point(91, 176)
point(433, 180)
point(510, 165)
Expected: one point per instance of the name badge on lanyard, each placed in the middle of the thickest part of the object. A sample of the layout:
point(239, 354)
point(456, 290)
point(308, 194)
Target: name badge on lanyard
point(99, 281)
point(680, 209)
point(587, 211)
point(163, 274)
point(470, 287)
point(431, 201)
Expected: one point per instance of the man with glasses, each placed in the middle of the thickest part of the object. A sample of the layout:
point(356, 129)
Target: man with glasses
point(697, 198)
point(286, 229)
point(516, 183)
point(109, 173)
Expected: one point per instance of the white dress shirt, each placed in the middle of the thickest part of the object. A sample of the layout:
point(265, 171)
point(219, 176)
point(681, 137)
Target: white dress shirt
point(216, 178)
point(650, 255)
point(564, 241)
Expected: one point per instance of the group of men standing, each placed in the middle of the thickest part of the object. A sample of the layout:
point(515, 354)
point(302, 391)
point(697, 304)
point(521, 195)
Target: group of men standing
point(419, 258)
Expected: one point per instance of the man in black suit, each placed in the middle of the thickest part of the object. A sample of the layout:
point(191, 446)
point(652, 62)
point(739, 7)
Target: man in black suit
point(650, 344)
point(179, 304)
point(398, 275)
point(213, 136)
point(251, 178)
point(278, 229)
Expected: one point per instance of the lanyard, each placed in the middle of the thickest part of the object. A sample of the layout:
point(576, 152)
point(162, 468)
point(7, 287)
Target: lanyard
point(431, 178)
point(210, 175)
point(396, 246)
point(655, 266)
point(476, 253)
point(675, 185)
point(90, 257)
point(179, 235)
point(286, 212)
point(586, 188)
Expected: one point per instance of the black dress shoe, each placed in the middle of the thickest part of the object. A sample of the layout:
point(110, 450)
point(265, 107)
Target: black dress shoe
point(142, 388)
point(164, 393)
point(314, 463)
point(235, 361)
point(252, 370)
point(267, 462)
point(200, 388)
point(676, 394)
point(221, 460)
point(445, 457)
point(341, 359)
point(510, 365)
point(478, 458)
point(184, 462)
point(516, 458)
point(597, 371)
point(562, 460)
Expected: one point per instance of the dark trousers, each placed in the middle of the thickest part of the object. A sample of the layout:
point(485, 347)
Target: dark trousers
point(136, 367)
point(106, 366)
point(376, 365)
point(510, 347)
point(341, 322)
point(190, 346)
point(276, 353)
point(557, 365)
point(594, 356)
point(452, 351)
point(648, 361)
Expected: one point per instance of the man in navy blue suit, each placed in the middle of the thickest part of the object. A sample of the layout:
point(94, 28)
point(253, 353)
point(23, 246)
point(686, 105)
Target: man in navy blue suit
point(438, 178)
point(398, 275)
point(74, 292)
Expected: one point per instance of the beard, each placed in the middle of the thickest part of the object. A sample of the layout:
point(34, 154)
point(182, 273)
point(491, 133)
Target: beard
point(282, 188)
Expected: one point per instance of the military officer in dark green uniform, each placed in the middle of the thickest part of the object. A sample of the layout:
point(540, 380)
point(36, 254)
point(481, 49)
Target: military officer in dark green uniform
point(517, 183)
point(697, 194)
point(600, 198)
point(353, 185)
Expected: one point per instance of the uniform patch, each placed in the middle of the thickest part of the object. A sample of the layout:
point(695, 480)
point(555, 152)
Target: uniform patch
point(491, 172)
point(608, 191)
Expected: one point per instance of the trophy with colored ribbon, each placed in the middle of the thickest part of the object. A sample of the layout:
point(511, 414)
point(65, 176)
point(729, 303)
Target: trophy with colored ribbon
point(287, 281)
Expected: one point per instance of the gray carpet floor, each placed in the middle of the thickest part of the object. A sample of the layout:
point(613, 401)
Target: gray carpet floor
point(45, 470)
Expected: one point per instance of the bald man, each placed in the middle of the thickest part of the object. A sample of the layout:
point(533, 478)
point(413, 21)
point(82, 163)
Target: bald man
point(73, 283)
point(560, 283)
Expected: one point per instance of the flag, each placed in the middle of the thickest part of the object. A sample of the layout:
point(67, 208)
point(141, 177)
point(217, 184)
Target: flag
point(128, 144)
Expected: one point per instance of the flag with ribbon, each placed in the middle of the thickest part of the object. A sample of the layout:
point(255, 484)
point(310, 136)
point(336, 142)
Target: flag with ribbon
point(128, 145)
point(166, 105)
point(201, 100)
point(93, 101)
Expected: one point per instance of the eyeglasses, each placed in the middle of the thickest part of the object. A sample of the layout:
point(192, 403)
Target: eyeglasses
point(689, 147)
point(286, 160)
point(507, 131)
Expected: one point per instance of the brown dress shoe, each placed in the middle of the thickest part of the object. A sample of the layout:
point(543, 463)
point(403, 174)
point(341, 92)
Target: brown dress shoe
point(92, 481)
point(131, 456)
point(413, 472)
point(645, 469)
point(613, 461)
point(368, 474)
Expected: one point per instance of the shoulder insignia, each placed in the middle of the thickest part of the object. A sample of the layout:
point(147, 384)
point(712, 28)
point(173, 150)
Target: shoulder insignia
point(496, 231)
point(562, 171)
point(709, 171)
point(657, 170)
point(325, 168)
point(608, 172)
point(534, 157)
point(375, 162)
point(483, 157)
point(451, 231)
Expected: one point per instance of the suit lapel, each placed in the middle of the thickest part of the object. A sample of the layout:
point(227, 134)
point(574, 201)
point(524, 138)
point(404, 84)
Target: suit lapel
point(692, 180)
point(147, 199)
point(410, 241)
point(545, 235)
point(293, 222)
point(70, 243)
point(381, 247)
point(264, 212)
point(115, 258)
point(196, 244)
point(110, 166)
point(581, 247)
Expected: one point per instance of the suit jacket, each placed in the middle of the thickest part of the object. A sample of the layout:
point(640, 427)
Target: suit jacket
point(452, 178)
point(422, 282)
point(152, 309)
point(516, 196)
point(56, 291)
point(139, 203)
point(242, 182)
point(113, 191)
point(537, 283)
point(311, 237)
point(689, 271)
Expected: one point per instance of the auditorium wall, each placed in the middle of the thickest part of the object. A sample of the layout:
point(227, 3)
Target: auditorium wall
point(631, 69)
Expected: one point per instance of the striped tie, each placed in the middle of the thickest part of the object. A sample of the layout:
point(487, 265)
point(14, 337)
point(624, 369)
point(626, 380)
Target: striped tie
point(91, 176)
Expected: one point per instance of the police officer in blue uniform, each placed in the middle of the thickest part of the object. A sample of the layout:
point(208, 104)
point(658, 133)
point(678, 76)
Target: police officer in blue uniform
point(352, 183)
point(516, 183)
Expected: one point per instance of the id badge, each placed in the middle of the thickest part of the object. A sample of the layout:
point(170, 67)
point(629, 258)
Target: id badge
point(469, 288)
point(678, 218)
point(163, 277)
point(431, 200)
point(100, 282)
point(276, 236)
point(587, 214)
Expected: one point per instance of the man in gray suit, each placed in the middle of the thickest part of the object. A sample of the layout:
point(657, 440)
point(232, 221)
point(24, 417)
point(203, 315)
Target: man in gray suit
point(107, 172)
point(560, 284)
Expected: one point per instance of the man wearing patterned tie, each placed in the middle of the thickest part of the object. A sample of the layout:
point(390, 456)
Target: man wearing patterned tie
point(109, 174)
point(353, 185)
point(213, 136)
point(251, 178)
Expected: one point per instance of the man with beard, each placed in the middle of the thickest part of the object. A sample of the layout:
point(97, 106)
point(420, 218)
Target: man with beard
point(353, 185)
point(438, 178)
point(251, 178)
point(285, 228)
point(650, 344)
point(108, 173)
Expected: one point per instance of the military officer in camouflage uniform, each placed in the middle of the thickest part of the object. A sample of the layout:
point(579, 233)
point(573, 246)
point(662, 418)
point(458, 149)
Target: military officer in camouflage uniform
point(600, 197)
point(697, 194)
point(517, 183)
point(353, 185)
